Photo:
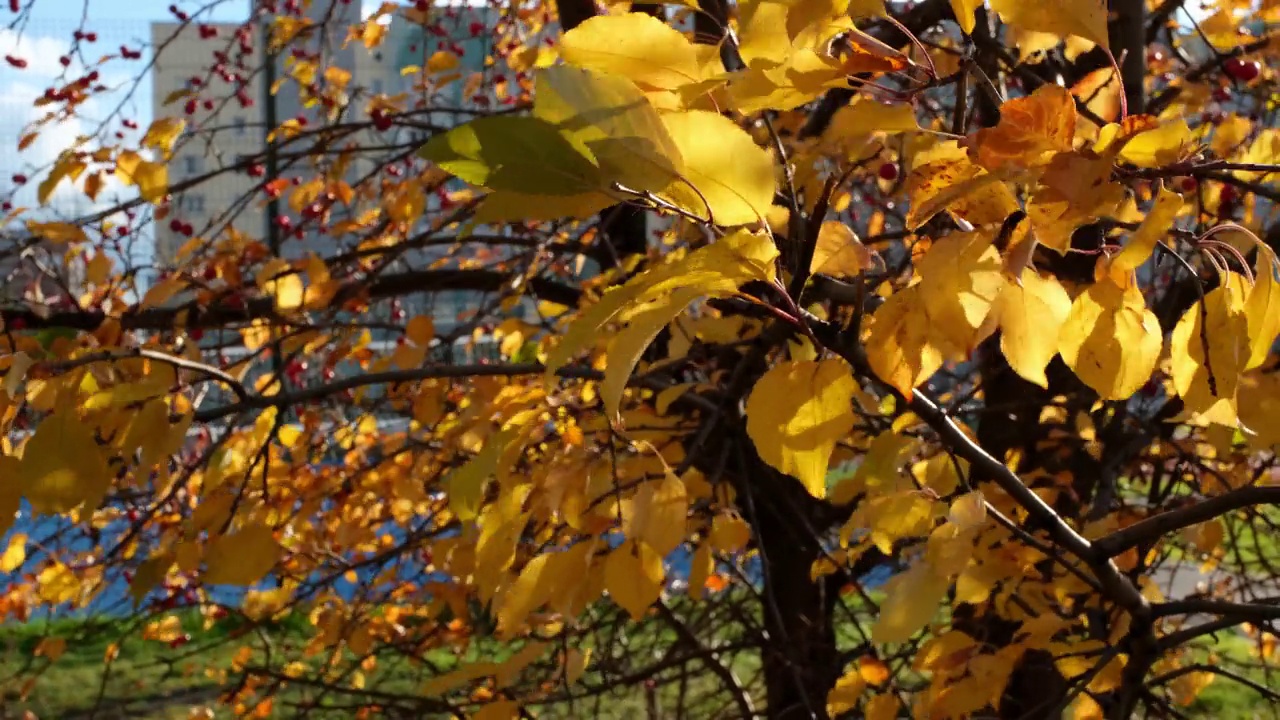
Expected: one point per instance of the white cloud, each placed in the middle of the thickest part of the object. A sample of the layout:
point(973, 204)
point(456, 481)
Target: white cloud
point(40, 52)
point(17, 111)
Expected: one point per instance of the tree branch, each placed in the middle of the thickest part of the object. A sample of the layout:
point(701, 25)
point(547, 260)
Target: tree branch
point(1154, 527)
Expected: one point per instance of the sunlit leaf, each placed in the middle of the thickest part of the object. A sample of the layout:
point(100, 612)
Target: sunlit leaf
point(797, 412)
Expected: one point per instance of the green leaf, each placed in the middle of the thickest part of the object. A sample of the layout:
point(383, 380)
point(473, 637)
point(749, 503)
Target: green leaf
point(521, 154)
point(609, 116)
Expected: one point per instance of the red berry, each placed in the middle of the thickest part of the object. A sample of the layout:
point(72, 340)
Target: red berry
point(1228, 194)
point(15, 61)
point(17, 323)
point(257, 171)
point(196, 334)
point(284, 222)
point(175, 225)
point(91, 36)
point(1245, 71)
point(64, 61)
point(1189, 184)
point(1222, 94)
point(888, 172)
point(19, 179)
point(476, 28)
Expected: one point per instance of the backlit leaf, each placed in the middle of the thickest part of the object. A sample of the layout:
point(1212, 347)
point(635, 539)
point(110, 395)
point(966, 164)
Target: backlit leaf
point(1030, 314)
point(62, 466)
point(839, 252)
point(914, 597)
point(1111, 340)
point(796, 413)
point(633, 574)
point(1208, 385)
point(1154, 228)
point(15, 554)
point(724, 170)
point(520, 154)
point(1030, 129)
point(241, 557)
point(964, 11)
point(636, 46)
point(898, 343)
point(1084, 18)
point(1164, 145)
point(961, 276)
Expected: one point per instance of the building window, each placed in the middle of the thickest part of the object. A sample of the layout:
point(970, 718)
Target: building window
point(192, 204)
point(191, 164)
point(241, 126)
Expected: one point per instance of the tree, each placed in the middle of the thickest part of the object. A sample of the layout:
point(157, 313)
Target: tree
point(982, 296)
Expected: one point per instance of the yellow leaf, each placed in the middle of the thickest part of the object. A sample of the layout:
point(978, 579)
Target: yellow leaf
point(862, 119)
point(1262, 308)
point(873, 670)
point(964, 11)
point(242, 557)
point(961, 276)
point(609, 116)
point(633, 574)
point(898, 343)
point(1083, 18)
point(627, 346)
point(1208, 386)
point(94, 184)
point(969, 511)
point(162, 133)
point(62, 467)
point(1111, 340)
point(57, 232)
point(844, 695)
point(15, 554)
point(405, 202)
point(149, 574)
point(1031, 129)
point(441, 61)
point(67, 166)
point(162, 291)
point(288, 291)
point(1075, 190)
point(1030, 314)
point(19, 364)
point(1162, 146)
point(658, 514)
point(465, 486)
point(421, 330)
point(58, 584)
point(637, 46)
point(575, 664)
point(796, 413)
point(52, 648)
point(839, 252)
point(729, 533)
point(913, 600)
point(151, 178)
point(715, 270)
point(957, 185)
point(1143, 241)
point(866, 8)
point(724, 171)
point(98, 269)
point(883, 707)
point(1100, 93)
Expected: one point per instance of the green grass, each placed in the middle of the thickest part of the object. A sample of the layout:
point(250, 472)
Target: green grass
point(148, 680)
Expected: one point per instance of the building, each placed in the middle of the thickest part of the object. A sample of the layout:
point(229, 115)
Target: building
point(212, 76)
